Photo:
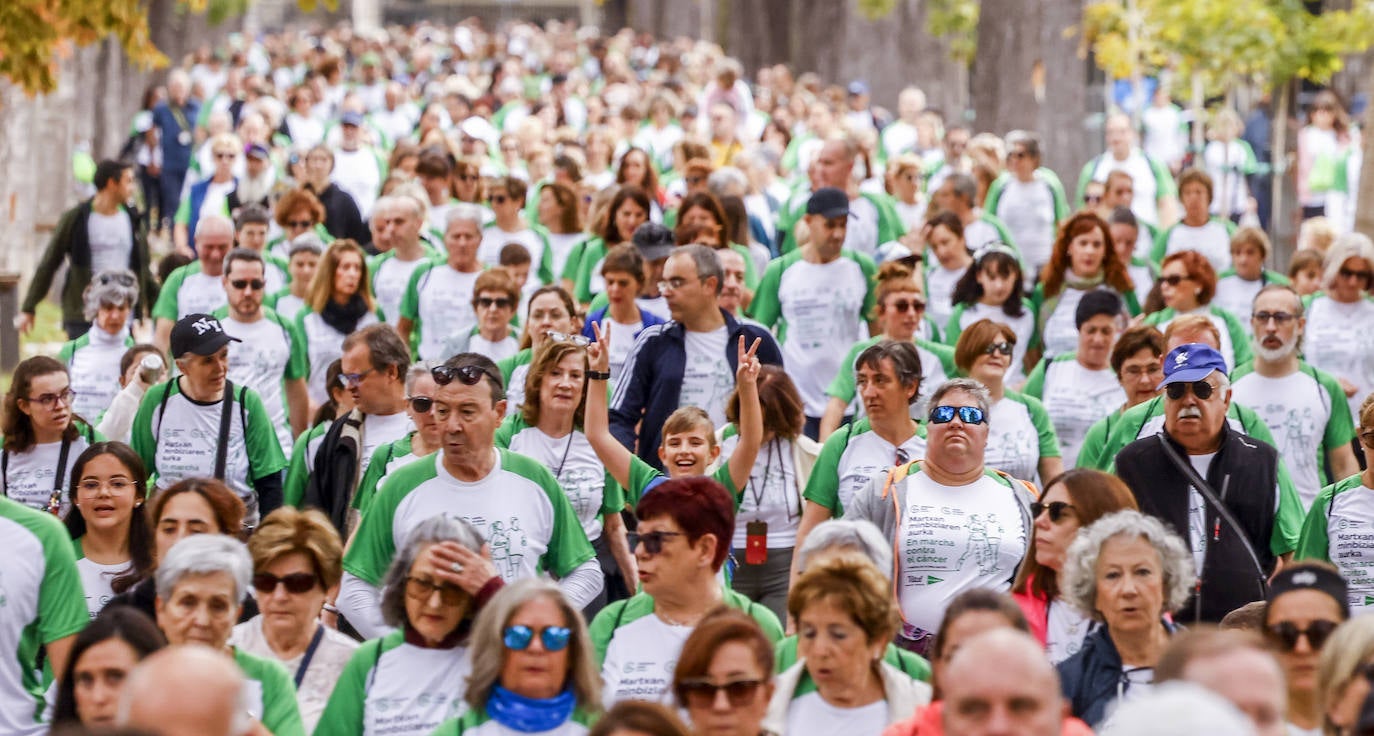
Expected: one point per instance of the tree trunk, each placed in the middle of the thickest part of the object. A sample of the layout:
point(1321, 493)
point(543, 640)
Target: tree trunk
point(1364, 198)
point(1279, 186)
point(1004, 94)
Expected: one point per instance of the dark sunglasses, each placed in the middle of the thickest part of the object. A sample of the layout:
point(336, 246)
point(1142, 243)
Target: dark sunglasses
point(257, 284)
point(1173, 279)
point(1346, 273)
point(966, 414)
point(299, 224)
point(653, 541)
point(702, 693)
point(421, 589)
point(554, 638)
point(902, 305)
point(1286, 634)
point(420, 404)
point(1201, 389)
point(500, 199)
point(1056, 509)
point(467, 177)
point(487, 302)
point(468, 375)
point(1003, 347)
point(296, 582)
point(1282, 318)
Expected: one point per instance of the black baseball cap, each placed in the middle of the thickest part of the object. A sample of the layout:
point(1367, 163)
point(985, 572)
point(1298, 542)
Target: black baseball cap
point(200, 334)
point(828, 202)
point(654, 241)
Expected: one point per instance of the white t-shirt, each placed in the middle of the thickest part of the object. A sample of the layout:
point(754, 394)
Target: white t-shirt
point(186, 436)
point(1023, 327)
point(1076, 398)
point(707, 379)
point(1027, 209)
point(622, 341)
point(861, 231)
point(259, 362)
point(98, 582)
point(1350, 544)
point(955, 538)
point(324, 345)
point(31, 475)
point(497, 350)
point(560, 247)
point(1339, 341)
point(1296, 409)
point(640, 660)
point(94, 371)
point(1065, 631)
point(111, 241)
point(1237, 296)
point(771, 494)
point(1226, 163)
point(200, 293)
point(414, 689)
point(1013, 440)
point(358, 173)
point(940, 282)
point(658, 305)
point(1144, 203)
point(822, 304)
point(1227, 347)
point(326, 665)
point(216, 200)
point(810, 715)
point(868, 454)
point(494, 239)
point(445, 310)
point(1197, 511)
point(382, 429)
point(1061, 334)
point(389, 282)
point(979, 233)
point(574, 464)
point(1211, 240)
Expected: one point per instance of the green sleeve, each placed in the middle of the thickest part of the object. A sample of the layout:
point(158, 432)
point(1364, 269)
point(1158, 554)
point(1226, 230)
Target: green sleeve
point(722, 476)
point(598, 301)
point(869, 270)
point(141, 432)
point(1090, 452)
point(373, 547)
point(568, 547)
point(843, 387)
point(1161, 246)
point(507, 431)
point(53, 256)
point(1289, 519)
point(280, 713)
point(1002, 232)
point(1061, 201)
point(602, 629)
point(612, 496)
point(1252, 164)
point(889, 223)
point(508, 365)
point(410, 301)
point(582, 285)
point(1313, 544)
point(343, 714)
point(1240, 339)
point(1255, 426)
point(64, 355)
point(298, 470)
point(994, 193)
point(1035, 382)
point(367, 487)
point(1340, 428)
point(1164, 181)
point(166, 305)
point(1049, 443)
point(954, 328)
point(264, 449)
point(61, 599)
point(641, 475)
point(1085, 176)
point(765, 308)
point(298, 364)
point(823, 487)
point(574, 262)
point(785, 653)
point(544, 269)
point(183, 214)
point(751, 269)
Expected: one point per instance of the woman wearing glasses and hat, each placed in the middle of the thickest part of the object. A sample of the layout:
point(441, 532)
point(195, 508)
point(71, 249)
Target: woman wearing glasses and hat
point(42, 436)
point(93, 359)
point(1307, 602)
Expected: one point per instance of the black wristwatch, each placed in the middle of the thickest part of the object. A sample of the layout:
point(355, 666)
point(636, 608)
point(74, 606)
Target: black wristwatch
point(599, 375)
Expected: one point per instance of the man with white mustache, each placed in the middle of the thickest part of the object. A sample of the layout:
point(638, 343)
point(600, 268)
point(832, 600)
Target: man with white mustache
point(1223, 487)
point(1303, 406)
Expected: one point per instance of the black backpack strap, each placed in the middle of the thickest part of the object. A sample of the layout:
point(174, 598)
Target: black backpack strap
point(226, 409)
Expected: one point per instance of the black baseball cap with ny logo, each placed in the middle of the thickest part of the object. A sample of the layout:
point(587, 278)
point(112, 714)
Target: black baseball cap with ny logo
point(200, 334)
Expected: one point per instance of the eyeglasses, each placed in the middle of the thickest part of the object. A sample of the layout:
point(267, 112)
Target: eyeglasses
point(1174, 279)
point(675, 283)
point(123, 278)
point(902, 305)
point(48, 401)
point(420, 404)
point(300, 224)
point(702, 693)
point(1286, 634)
point(1136, 371)
point(966, 414)
point(1281, 318)
point(296, 582)
point(653, 541)
point(1056, 509)
point(468, 375)
point(467, 177)
point(1201, 389)
point(1013, 155)
point(554, 638)
point(580, 341)
point(1092, 198)
point(420, 589)
point(1003, 347)
point(487, 302)
point(240, 284)
point(349, 380)
point(1346, 273)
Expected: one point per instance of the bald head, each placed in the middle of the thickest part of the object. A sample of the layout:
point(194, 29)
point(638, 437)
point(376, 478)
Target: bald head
point(188, 690)
point(999, 683)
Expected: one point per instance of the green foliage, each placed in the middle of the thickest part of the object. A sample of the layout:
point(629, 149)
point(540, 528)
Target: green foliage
point(955, 21)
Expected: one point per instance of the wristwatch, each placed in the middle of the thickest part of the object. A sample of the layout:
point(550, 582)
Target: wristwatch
point(599, 375)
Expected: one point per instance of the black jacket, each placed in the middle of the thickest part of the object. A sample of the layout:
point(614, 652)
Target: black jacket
point(1244, 476)
point(334, 478)
point(71, 241)
point(341, 216)
point(1094, 677)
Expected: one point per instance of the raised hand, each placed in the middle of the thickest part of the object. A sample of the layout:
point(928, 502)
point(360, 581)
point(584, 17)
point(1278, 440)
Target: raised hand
point(599, 352)
point(747, 363)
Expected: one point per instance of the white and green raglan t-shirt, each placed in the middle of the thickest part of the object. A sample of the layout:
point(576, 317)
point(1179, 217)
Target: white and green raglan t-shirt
point(390, 686)
point(478, 723)
point(323, 345)
point(271, 696)
point(1075, 397)
point(188, 290)
point(438, 302)
point(1340, 529)
point(1306, 412)
point(579, 472)
point(390, 278)
point(849, 459)
point(638, 651)
point(270, 351)
point(41, 601)
point(93, 366)
point(518, 508)
point(177, 437)
point(819, 310)
point(32, 477)
point(937, 366)
point(1019, 434)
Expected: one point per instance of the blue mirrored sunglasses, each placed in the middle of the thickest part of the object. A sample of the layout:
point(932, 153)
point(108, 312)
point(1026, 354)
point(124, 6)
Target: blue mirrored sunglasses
point(966, 414)
point(554, 638)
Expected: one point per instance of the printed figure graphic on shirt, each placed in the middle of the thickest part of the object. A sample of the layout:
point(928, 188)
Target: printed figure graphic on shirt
point(981, 545)
point(1301, 431)
point(582, 486)
point(506, 556)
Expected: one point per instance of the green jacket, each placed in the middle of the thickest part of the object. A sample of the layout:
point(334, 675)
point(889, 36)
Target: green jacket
point(71, 242)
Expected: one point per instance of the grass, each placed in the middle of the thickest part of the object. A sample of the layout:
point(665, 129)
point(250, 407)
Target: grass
point(45, 338)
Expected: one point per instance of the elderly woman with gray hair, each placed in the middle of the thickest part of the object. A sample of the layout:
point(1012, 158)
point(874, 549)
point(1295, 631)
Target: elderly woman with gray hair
point(201, 582)
point(1336, 338)
point(414, 678)
point(1128, 571)
point(93, 359)
point(533, 669)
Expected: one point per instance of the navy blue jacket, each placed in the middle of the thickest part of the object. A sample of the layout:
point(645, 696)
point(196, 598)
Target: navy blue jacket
point(652, 380)
point(176, 156)
point(1093, 677)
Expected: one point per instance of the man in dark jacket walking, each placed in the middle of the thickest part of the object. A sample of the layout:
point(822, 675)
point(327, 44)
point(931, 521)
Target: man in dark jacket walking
point(1220, 490)
point(688, 361)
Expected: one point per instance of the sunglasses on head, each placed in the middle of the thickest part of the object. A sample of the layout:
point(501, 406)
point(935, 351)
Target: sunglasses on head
point(653, 541)
point(702, 693)
point(296, 582)
point(1201, 389)
point(420, 404)
point(468, 375)
point(1056, 509)
point(902, 305)
point(1286, 634)
point(240, 284)
point(123, 278)
point(1003, 347)
point(554, 638)
point(966, 414)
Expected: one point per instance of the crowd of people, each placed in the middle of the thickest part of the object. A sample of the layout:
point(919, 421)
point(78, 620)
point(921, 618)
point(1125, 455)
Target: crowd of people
point(878, 429)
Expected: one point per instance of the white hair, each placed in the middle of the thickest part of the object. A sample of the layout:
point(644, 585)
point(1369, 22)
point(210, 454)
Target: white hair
point(463, 212)
point(1177, 709)
point(205, 554)
point(848, 534)
point(1080, 565)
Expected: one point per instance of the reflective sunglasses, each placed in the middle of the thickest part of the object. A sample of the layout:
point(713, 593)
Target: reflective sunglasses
point(420, 404)
point(1281, 318)
point(349, 380)
point(48, 401)
point(580, 341)
point(297, 582)
point(902, 305)
point(487, 302)
point(1003, 347)
point(468, 375)
point(241, 284)
point(554, 638)
point(966, 414)
point(653, 541)
point(1286, 634)
point(420, 589)
point(1056, 509)
point(1173, 279)
point(702, 693)
point(1201, 389)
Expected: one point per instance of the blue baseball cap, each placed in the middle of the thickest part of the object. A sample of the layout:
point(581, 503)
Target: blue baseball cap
point(1191, 362)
